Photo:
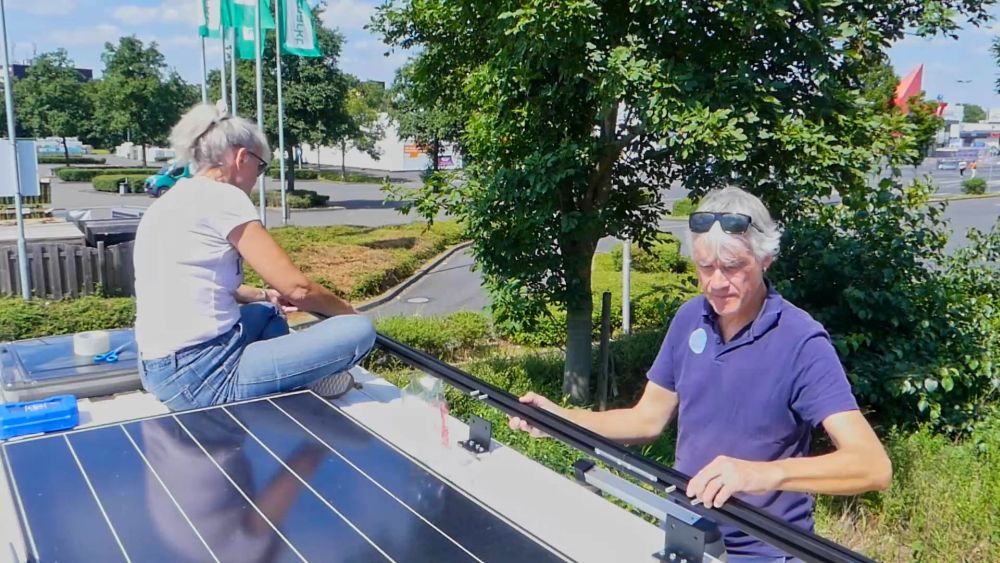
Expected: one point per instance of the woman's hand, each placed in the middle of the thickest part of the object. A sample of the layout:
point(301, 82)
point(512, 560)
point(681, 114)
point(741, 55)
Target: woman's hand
point(274, 297)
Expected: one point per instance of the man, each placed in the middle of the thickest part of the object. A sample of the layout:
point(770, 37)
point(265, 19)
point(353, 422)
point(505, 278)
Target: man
point(749, 375)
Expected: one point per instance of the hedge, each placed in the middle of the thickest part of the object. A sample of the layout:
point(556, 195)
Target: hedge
point(974, 186)
point(72, 160)
point(21, 319)
point(109, 182)
point(88, 174)
point(300, 173)
point(683, 207)
point(297, 199)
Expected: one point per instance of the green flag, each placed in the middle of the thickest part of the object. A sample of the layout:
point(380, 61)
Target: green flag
point(298, 31)
point(239, 15)
point(211, 19)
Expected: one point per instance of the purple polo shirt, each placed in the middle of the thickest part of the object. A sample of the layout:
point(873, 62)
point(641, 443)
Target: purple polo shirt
point(756, 398)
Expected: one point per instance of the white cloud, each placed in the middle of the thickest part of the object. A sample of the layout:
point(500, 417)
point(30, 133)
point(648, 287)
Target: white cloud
point(348, 14)
point(188, 12)
point(82, 36)
point(43, 7)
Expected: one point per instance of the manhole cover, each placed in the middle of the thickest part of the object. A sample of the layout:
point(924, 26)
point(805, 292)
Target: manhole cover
point(417, 300)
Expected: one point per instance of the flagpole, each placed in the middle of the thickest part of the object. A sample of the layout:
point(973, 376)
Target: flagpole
point(281, 113)
point(8, 96)
point(223, 92)
point(204, 78)
point(258, 44)
point(232, 72)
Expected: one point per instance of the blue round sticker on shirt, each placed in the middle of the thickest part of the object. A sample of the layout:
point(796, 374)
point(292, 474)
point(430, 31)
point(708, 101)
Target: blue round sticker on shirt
point(697, 341)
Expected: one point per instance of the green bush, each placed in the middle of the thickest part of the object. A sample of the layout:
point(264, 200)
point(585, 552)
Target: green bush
point(974, 186)
point(353, 178)
point(72, 160)
point(917, 330)
point(109, 182)
point(683, 207)
point(88, 174)
point(21, 319)
point(655, 297)
point(662, 255)
point(449, 338)
point(300, 173)
point(297, 199)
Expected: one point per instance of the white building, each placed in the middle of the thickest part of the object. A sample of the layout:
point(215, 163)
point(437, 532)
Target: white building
point(396, 155)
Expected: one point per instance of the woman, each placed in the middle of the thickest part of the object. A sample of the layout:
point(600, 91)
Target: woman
point(205, 338)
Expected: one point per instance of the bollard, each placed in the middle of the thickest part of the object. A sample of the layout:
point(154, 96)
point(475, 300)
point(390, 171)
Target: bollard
point(121, 187)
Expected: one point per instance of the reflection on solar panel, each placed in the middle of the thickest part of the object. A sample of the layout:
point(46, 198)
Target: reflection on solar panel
point(289, 478)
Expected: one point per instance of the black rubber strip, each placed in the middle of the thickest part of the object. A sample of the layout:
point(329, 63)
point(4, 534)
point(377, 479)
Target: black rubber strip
point(736, 513)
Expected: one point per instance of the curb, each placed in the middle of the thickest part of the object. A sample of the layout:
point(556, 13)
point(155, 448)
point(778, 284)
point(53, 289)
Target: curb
point(414, 278)
point(961, 197)
point(302, 320)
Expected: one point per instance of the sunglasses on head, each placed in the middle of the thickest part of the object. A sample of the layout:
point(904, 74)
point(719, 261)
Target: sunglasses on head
point(262, 165)
point(732, 223)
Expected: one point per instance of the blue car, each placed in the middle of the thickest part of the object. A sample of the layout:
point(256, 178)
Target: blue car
point(165, 179)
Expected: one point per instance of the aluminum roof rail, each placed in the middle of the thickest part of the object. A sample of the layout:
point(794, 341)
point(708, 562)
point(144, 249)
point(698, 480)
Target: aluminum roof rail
point(736, 513)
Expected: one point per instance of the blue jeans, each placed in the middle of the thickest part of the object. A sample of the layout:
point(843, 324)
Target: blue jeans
point(256, 357)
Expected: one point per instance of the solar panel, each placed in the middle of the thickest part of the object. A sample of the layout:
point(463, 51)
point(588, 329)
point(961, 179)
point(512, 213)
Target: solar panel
point(289, 478)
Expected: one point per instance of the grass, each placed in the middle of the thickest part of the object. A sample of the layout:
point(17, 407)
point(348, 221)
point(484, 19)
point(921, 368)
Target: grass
point(362, 262)
point(942, 505)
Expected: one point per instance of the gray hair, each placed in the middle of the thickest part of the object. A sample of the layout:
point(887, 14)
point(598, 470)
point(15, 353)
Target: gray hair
point(763, 243)
point(204, 134)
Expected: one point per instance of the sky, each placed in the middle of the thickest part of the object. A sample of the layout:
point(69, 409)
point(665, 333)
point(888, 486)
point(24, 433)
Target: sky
point(83, 26)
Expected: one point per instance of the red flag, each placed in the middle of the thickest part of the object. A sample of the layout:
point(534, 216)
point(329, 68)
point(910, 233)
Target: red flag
point(939, 112)
point(909, 87)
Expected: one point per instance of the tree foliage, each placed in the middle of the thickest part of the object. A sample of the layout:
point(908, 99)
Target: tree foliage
point(972, 113)
point(575, 112)
point(50, 100)
point(138, 96)
point(422, 115)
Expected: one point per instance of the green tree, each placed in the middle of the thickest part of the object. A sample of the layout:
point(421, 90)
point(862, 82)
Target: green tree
point(422, 115)
point(577, 111)
point(50, 99)
point(138, 96)
point(973, 113)
point(314, 92)
point(365, 104)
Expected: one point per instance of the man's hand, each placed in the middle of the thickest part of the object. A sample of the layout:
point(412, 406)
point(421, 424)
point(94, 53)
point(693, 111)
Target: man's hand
point(538, 401)
point(725, 476)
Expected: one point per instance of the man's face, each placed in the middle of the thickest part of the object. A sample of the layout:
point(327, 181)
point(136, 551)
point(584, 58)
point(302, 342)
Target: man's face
point(729, 278)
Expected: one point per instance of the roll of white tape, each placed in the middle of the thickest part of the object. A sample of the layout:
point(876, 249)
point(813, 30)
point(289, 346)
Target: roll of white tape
point(91, 343)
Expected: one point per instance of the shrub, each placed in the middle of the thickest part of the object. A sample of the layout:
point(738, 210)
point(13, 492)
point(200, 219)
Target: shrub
point(683, 207)
point(88, 174)
point(448, 338)
point(353, 178)
point(72, 160)
point(21, 319)
point(300, 173)
point(974, 186)
point(109, 182)
point(917, 330)
point(662, 255)
point(297, 199)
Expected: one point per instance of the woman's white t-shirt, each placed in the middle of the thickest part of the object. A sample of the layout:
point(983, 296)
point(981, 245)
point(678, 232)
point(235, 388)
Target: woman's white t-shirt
point(186, 272)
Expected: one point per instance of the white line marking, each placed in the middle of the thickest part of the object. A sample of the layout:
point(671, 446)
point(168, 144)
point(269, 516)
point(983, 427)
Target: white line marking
point(308, 486)
point(169, 494)
point(238, 489)
point(20, 504)
point(98, 500)
point(376, 483)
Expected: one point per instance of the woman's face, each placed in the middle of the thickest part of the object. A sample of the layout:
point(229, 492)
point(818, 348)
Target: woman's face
point(243, 168)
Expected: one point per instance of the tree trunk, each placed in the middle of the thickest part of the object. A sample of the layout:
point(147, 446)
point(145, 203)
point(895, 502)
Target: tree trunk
point(290, 175)
point(66, 151)
point(343, 160)
point(435, 151)
point(579, 321)
point(144, 155)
